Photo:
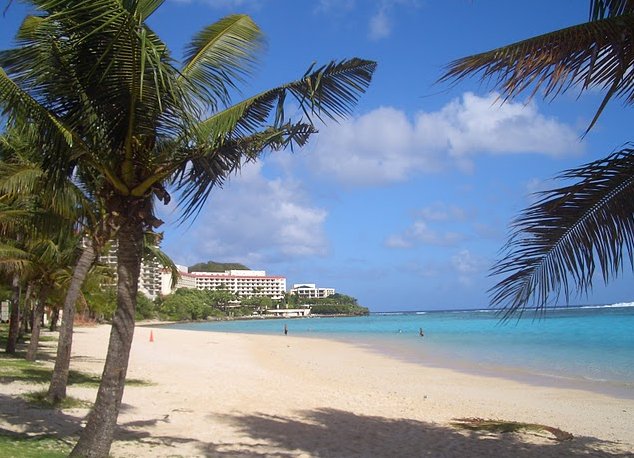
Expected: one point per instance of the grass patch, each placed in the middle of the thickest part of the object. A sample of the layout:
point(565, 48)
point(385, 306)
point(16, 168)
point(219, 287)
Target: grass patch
point(504, 426)
point(16, 369)
point(23, 446)
point(49, 338)
point(39, 399)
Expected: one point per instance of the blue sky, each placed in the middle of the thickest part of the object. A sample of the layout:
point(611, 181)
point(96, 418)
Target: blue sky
point(406, 204)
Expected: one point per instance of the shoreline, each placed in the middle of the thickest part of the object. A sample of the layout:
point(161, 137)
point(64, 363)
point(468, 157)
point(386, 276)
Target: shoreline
point(395, 349)
point(245, 395)
point(619, 389)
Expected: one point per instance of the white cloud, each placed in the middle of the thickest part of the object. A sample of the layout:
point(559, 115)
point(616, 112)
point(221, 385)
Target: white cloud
point(441, 212)
point(466, 263)
point(255, 220)
point(329, 6)
point(380, 26)
point(420, 232)
point(384, 146)
point(467, 266)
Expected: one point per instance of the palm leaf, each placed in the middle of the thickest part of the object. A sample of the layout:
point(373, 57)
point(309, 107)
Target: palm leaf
point(221, 55)
point(206, 168)
point(596, 54)
point(331, 91)
point(567, 234)
point(18, 104)
point(152, 251)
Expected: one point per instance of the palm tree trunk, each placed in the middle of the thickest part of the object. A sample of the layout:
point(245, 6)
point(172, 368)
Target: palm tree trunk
point(54, 319)
point(96, 439)
point(14, 317)
point(25, 314)
point(59, 380)
point(31, 351)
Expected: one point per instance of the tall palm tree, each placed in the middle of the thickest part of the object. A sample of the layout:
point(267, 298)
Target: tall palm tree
point(100, 84)
point(572, 230)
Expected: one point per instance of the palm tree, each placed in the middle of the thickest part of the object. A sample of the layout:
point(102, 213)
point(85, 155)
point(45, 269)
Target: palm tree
point(70, 205)
point(574, 229)
point(32, 228)
point(108, 99)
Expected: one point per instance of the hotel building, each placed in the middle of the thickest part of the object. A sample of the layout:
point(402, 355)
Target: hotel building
point(150, 278)
point(310, 291)
point(245, 283)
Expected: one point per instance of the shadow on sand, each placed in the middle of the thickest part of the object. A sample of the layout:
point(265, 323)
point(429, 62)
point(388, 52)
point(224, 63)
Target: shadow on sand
point(315, 433)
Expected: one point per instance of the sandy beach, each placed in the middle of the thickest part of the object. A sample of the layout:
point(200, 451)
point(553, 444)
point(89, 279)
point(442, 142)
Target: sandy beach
point(235, 395)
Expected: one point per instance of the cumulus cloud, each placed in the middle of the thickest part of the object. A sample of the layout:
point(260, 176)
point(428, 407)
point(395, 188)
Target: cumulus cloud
point(256, 220)
point(421, 232)
point(440, 212)
point(467, 266)
point(384, 146)
point(380, 25)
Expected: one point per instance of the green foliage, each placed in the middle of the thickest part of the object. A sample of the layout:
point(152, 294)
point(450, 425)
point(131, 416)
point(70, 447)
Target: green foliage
point(186, 304)
point(24, 446)
point(264, 302)
point(102, 302)
point(339, 309)
point(39, 398)
point(211, 266)
point(336, 304)
point(193, 304)
point(145, 308)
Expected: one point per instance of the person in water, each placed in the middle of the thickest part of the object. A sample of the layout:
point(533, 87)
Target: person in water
point(421, 333)
point(285, 330)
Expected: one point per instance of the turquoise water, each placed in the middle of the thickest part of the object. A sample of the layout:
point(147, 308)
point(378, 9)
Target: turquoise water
point(590, 347)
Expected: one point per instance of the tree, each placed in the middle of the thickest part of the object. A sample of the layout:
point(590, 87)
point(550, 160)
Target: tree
point(68, 204)
point(574, 229)
point(34, 220)
point(107, 98)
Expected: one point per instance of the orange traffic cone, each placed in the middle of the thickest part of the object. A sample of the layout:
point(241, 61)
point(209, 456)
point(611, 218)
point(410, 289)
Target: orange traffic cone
point(151, 336)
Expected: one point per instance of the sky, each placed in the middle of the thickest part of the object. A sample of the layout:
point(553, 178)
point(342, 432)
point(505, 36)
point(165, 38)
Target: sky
point(407, 203)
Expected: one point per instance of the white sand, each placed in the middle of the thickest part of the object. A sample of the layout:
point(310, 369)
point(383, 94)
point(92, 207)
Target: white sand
point(234, 395)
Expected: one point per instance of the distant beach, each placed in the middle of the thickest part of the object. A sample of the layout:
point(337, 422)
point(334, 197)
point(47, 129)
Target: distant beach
point(588, 347)
point(244, 395)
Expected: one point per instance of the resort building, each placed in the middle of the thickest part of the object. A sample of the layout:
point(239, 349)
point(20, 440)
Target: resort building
point(245, 283)
point(150, 278)
point(310, 291)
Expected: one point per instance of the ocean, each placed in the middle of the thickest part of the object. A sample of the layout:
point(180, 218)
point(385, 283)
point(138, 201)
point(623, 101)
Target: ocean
point(588, 347)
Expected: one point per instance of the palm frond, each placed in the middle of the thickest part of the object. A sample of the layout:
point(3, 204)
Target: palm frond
point(13, 259)
point(221, 55)
point(206, 168)
point(597, 54)
point(601, 9)
point(152, 251)
point(18, 104)
point(567, 234)
point(331, 91)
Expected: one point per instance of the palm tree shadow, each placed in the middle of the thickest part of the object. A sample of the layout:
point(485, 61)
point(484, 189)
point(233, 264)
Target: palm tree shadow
point(336, 433)
point(33, 420)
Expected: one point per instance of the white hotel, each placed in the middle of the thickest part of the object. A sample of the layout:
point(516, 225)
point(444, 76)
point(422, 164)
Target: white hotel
point(244, 283)
point(310, 291)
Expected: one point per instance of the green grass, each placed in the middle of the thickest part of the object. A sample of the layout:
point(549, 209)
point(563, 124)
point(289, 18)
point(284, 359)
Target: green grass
point(38, 398)
point(23, 446)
